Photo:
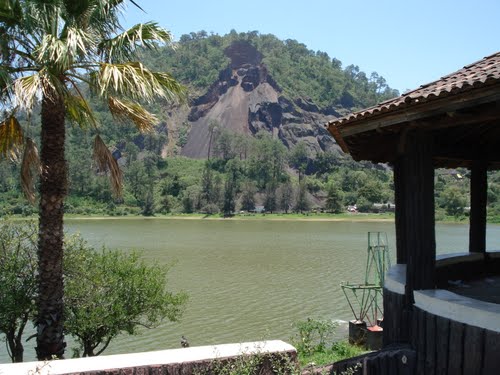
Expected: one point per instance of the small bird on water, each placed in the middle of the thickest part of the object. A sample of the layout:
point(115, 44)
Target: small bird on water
point(184, 342)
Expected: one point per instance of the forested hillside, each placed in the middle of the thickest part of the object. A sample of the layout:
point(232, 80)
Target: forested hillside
point(300, 72)
point(263, 168)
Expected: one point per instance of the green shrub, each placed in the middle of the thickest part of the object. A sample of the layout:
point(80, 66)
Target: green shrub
point(315, 343)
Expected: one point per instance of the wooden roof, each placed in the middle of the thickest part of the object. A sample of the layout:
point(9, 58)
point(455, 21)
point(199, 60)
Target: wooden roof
point(460, 110)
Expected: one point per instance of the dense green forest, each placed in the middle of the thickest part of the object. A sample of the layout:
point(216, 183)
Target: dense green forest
point(269, 176)
point(244, 172)
point(300, 72)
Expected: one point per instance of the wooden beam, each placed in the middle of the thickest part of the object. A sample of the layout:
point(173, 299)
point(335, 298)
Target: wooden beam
point(421, 110)
point(447, 162)
point(399, 199)
point(478, 201)
point(489, 112)
point(418, 209)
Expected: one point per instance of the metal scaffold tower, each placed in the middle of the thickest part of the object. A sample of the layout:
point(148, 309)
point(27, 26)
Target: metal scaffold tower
point(365, 299)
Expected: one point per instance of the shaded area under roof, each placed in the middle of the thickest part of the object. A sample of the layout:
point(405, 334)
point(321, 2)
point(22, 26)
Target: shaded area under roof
point(461, 110)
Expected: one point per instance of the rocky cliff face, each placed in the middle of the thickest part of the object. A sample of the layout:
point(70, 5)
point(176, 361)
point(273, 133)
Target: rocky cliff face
point(246, 100)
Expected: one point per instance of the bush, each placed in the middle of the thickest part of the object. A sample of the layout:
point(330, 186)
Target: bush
point(315, 343)
point(109, 293)
point(18, 282)
point(313, 335)
point(210, 209)
point(106, 292)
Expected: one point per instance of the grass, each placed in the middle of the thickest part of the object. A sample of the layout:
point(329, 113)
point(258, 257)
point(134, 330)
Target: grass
point(316, 345)
point(131, 214)
point(323, 356)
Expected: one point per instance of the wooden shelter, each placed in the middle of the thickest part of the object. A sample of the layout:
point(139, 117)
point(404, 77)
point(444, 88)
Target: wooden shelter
point(452, 122)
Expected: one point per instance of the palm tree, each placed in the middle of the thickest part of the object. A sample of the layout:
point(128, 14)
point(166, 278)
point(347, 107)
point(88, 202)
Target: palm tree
point(49, 50)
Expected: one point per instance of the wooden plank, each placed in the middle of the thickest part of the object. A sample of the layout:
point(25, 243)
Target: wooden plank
point(383, 366)
point(399, 198)
point(442, 340)
point(421, 341)
point(473, 350)
point(418, 111)
point(491, 364)
point(478, 201)
point(396, 325)
point(370, 366)
point(456, 348)
point(414, 328)
point(388, 334)
point(430, 344)
point(393, 358)
point(419, 236)
point(407, 363)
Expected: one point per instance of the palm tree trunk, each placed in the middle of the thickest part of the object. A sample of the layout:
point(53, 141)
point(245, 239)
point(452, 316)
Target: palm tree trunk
point(53, 186)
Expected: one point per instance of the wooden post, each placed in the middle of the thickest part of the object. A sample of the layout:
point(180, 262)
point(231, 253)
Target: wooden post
point(399, 193)
point(419, 224)
point(478, 199)
point(415, 233)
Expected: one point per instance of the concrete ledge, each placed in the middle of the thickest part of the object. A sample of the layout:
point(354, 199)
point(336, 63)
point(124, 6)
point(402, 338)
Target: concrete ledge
point(114, 364)
point(456, 258)
point(395, 279)
point(494, 254)
point(459, 308)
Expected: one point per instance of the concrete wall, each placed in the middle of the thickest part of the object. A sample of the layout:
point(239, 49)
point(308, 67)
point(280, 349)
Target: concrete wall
point(165, 362)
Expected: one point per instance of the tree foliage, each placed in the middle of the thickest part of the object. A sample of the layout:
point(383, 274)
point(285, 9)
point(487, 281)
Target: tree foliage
point(453, 201)
point(300, 71)
point(109, 293)
point(334, 200)
point(49, 52)
point(155, 184)
point(18, 281)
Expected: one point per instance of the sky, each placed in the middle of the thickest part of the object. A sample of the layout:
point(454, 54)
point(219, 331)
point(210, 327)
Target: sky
point(409, 43)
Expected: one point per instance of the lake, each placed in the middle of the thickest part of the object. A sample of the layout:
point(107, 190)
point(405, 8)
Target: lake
point(250, 280)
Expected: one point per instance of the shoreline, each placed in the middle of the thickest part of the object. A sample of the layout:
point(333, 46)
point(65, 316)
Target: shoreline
point(234, 218)
point(359, 217)
point(259, 217)
point(246, 217)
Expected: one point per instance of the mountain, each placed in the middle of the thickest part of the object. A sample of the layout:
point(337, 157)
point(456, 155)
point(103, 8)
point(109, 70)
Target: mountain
point(256, 106)
point(246, 83)
point(245, 99)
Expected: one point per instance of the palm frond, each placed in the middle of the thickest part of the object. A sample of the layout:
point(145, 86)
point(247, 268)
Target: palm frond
point(123, 46)
point(10, 12)
point(30, 164)
point(78, 111)
point(102, 16)
point(53, 52)
point(124, 110)
point(5, 83)
point(79, 42)
point(11, 138)
point(26, 90)
point(134, 80)
point(107, 163)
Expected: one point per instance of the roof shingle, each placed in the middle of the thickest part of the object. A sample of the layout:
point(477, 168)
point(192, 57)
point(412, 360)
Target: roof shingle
point(481, 73)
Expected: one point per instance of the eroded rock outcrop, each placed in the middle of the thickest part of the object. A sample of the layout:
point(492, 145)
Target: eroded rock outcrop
point(246, 99)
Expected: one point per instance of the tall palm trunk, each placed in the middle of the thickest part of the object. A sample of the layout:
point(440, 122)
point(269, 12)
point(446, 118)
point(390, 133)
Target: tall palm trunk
point(53, 187)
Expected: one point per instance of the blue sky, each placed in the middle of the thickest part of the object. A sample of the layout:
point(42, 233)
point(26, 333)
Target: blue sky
point(407, 42)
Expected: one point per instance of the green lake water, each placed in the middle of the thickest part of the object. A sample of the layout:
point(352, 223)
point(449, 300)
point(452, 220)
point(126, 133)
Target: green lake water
point(250, 280)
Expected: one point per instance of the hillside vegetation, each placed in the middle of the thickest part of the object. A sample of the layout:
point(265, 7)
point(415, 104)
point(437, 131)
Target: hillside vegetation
point(243, 172)
point(300, 72)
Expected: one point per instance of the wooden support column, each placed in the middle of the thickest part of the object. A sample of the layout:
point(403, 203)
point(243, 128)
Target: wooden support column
point(399, 193)
point(478, 200)
point(419, 224)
